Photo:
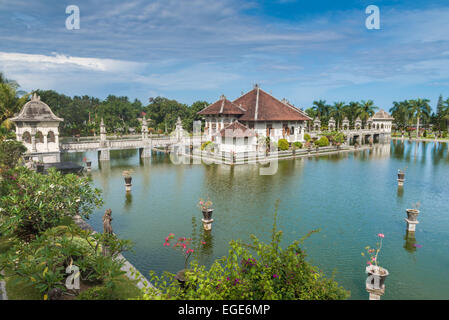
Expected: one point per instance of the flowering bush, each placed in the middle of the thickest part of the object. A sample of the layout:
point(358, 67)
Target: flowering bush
point(373, 253)
point(185, 245)
point(205, 205)
point(251, 271)
point(32, 202)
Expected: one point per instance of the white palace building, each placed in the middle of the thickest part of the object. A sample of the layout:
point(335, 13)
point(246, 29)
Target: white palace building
point(38, 128)
point(236, 126)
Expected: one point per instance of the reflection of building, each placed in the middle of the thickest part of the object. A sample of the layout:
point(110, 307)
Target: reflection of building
point(37, 127)
point(236, 125)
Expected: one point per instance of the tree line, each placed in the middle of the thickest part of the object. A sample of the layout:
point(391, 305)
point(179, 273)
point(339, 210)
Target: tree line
point(410, 114)
point(82, 114)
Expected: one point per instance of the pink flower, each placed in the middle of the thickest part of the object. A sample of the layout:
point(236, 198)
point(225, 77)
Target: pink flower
point(381, 235)
point(166, 239)
point(203, 242)
point(369, 263)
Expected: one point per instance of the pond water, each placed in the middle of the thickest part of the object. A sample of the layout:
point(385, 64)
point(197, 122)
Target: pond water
point(350, 197)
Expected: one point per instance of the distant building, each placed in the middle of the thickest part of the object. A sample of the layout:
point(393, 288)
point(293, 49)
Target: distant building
point(381, 121)
point(38, 128)
point(237, 125)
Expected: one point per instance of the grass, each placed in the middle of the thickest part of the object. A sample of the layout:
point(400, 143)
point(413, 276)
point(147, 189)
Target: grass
point(124, 288)
point(20, 291)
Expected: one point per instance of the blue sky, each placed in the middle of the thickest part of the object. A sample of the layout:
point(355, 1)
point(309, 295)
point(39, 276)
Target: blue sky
point(199, 49)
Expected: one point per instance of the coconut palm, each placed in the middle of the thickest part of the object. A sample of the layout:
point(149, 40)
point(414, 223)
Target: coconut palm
point(338, 112)
point(400, 113)
point(9, 102)
point(366, 110)
point(322, 109)
point(352, 111)
point(419, 109)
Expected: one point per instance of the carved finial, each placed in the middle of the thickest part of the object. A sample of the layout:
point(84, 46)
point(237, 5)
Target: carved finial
point(102, 122)
point(222, 97)
point(256, 86)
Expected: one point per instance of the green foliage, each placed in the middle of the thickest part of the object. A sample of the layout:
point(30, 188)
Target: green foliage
point(97, 293)
point(283, 144)
point(42, 262)
point(82, 115)
point(307, 137)
point(322, 142)
point(204, 145)
point(253, 271)
point(10, 154)
point(31, 202)
point(297, 145)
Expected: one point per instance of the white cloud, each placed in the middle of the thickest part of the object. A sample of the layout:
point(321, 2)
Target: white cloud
point(43, 62)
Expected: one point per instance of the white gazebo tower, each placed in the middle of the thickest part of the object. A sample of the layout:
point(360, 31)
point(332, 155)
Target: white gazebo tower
point(38, 128)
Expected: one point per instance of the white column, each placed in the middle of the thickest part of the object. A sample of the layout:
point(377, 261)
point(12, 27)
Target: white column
point(46, 142)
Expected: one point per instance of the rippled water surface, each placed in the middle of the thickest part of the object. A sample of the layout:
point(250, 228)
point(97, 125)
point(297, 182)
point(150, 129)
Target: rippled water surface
point(351, 197)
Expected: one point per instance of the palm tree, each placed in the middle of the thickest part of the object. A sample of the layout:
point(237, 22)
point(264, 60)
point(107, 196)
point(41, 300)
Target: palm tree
point(366, 110)
point(400, 113)
point(420, 109)
point(338, 112)
point(352, 111)
point(322, 109)
point(9, 102)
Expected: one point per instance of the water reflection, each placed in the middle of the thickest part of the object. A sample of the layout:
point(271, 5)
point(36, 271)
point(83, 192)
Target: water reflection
point(347, 195)
point(400, 191)
point(410, 242)
point(128, 201)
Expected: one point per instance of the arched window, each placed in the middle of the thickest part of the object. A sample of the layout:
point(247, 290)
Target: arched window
point(293, 130)
point(382, 126)
point(26, 137)
point(39, 137)
point(51, 137)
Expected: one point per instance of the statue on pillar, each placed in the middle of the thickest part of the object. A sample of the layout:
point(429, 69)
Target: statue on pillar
point(107, 226)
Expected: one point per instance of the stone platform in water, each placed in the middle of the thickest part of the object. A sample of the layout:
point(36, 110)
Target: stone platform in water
point(64, 167)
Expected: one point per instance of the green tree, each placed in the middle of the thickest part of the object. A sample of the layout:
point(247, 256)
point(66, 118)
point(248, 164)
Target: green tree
point(352, 111)
point(322, 110)
point(338, 112)
point(400, 113)
point(367, 109)
point(420, 110)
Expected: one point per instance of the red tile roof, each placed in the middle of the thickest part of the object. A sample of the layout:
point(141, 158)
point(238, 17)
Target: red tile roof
point(236, 130)
point(257, 105)
point(222, 106)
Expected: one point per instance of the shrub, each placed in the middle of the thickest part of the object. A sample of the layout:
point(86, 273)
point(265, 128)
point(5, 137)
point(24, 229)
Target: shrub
point(322, 142)
point(208, 145)
point(297, 145)
point(42, 262)
point(97, 293)
point(307, 137)
point(32, 203)
point(10, 153)
point(283, 144)
point(253, 271)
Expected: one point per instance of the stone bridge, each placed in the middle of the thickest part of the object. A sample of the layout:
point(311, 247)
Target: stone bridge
point(361, 136)
point(145, 142)
point(105, 146)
